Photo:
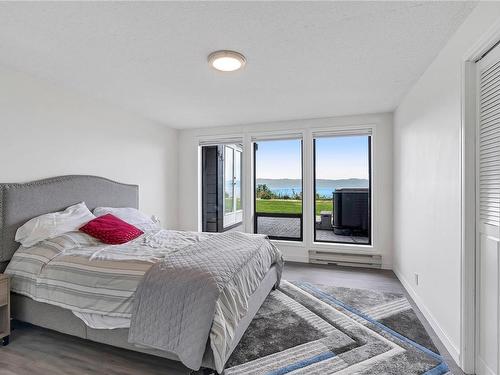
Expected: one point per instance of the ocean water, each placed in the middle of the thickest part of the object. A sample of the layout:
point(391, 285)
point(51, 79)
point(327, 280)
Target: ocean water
point(323, 192)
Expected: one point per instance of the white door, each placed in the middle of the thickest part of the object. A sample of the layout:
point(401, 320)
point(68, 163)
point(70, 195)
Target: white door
point(488, 215)
point(233, 213)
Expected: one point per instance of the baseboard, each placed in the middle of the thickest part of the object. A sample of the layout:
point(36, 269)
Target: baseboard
point(482, 368)
point(449, 345)
point(305, 259)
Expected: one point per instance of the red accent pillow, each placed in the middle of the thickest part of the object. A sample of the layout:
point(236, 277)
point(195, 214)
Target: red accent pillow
point(111, 230)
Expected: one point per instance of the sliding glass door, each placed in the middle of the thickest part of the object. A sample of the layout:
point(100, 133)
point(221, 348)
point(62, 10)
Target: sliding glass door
point(222, 207)
point(233, 213)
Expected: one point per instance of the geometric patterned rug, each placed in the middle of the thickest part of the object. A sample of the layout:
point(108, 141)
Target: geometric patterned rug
point(310, 329)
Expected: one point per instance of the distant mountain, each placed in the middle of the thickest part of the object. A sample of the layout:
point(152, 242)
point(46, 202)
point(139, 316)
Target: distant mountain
point(286, 183)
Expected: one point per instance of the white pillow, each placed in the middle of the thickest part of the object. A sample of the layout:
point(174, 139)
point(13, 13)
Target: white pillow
point(53, 224)
point(131, 215)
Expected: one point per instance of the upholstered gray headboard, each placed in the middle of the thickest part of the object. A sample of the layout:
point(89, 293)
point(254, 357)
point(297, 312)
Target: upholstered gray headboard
point(20, 202)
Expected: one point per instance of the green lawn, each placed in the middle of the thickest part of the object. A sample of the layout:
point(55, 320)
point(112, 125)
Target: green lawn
point(323, 205)
point(229, 204)
point(289, 206)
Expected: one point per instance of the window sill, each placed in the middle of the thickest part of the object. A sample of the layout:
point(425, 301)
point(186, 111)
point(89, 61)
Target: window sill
point(289, 243)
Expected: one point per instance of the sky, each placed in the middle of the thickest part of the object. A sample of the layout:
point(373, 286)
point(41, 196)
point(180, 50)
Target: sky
point(336, 158)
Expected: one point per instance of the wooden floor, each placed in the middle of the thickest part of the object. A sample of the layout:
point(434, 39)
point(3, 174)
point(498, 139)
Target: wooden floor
point(36, 351)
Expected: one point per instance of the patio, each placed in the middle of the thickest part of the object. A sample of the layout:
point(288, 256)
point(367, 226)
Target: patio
point(329, 236)
point(289, 227)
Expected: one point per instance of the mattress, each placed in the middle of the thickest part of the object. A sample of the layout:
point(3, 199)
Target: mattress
point(95, 281)
point(99, 283)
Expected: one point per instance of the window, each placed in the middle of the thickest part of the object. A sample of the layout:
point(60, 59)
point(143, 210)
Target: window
point(337, 187)
point(278, 188)
point(342, 189)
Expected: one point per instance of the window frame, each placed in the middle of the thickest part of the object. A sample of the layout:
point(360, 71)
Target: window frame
point(307, 130)
point(254, 190)
point(370, 192)
point(235, 149)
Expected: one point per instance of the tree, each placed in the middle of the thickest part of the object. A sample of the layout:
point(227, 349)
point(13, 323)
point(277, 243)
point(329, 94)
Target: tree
point(263, 192)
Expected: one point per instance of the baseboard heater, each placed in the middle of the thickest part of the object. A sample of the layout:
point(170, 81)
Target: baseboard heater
point(345, 259)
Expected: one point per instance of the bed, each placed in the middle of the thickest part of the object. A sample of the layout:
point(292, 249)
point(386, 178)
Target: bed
point(21, 202)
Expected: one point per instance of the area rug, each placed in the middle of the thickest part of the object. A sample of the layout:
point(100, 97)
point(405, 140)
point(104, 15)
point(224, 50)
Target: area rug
point(314, 329)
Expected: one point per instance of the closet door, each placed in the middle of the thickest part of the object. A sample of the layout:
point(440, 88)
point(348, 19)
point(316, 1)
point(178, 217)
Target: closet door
point(488, 215)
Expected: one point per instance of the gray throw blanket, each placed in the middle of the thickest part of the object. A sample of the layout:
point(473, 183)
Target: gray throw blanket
point(175, 303)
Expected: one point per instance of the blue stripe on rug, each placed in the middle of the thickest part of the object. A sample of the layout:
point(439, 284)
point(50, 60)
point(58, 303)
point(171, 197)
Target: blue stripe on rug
point(378, 324)
point(302, 364)
point(440, 369)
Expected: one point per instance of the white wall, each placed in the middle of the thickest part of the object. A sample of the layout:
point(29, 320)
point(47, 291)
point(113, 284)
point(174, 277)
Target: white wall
point(47, 131)
point(382, 177)
point(427, 182)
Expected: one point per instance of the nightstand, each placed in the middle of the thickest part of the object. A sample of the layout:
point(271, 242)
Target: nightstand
point(4, 309)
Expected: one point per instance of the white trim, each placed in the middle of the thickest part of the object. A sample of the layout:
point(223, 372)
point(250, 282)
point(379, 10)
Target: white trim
point(468, 219)
point(221, 139)
point(247, 184)
point(277, 136)
point(348, 130)
point(336, 247)
point(288, 243)
point(484, 44)
point(339, 129)
point(483, 368)
point(468, 199)
point(345, 130)
point(200, 190)
point(449, 345)
point(234, 217)
point(308, 193)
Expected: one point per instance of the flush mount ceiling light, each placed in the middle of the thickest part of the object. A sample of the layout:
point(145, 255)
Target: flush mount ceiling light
point(226, 61)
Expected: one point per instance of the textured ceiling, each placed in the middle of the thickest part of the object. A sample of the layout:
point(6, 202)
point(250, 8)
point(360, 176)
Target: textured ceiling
point(304, 59)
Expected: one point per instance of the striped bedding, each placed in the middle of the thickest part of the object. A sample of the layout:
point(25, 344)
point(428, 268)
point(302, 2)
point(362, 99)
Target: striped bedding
point(202, 282)
point(76, 272)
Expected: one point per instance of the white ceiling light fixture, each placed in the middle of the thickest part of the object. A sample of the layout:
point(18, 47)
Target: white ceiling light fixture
point(226, 61)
